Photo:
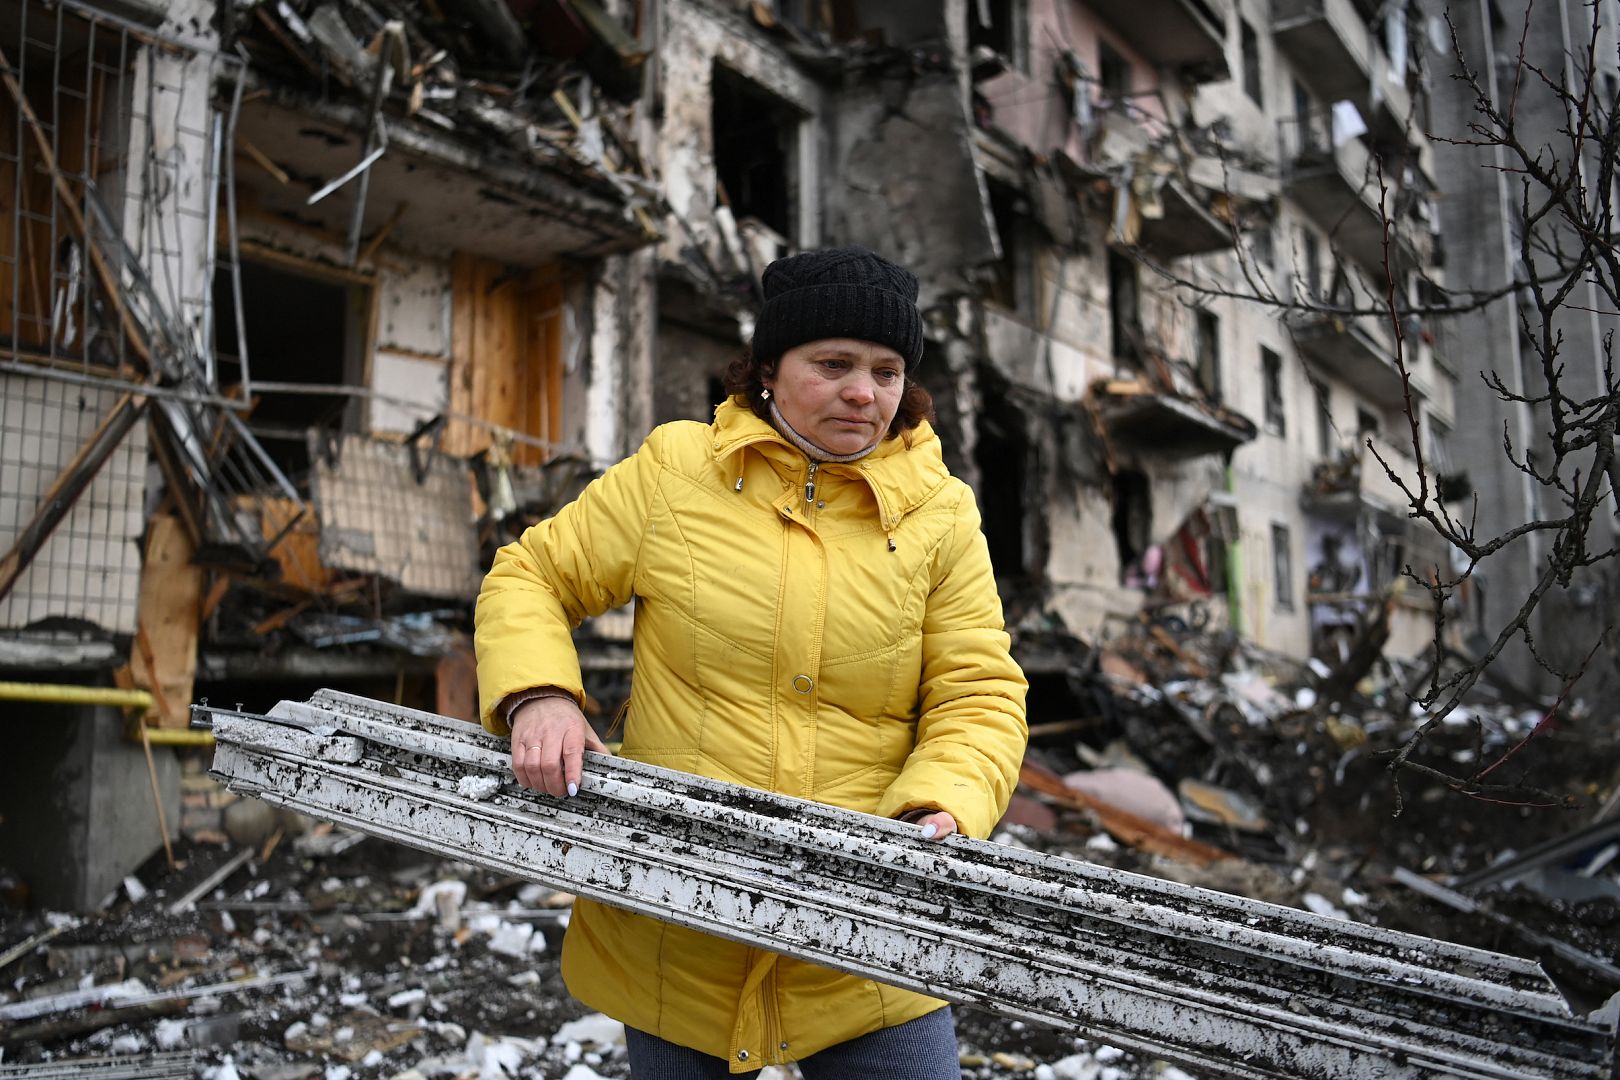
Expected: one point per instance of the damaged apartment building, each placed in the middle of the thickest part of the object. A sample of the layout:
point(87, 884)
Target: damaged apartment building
point(311, 304)
point(1137, 229)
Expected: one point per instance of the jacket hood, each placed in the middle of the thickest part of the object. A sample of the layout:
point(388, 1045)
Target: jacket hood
point(901, 477)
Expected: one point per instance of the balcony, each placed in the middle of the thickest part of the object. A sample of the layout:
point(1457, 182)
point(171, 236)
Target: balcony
point(1168, 426)
point(1338, 56)
point(1337, 186)
point(1188, 35)
point(1359, 350)
point(1183, 225)
point(1356, 482)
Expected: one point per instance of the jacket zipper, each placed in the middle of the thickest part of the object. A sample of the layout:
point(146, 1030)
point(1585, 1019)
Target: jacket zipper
point(810, 484)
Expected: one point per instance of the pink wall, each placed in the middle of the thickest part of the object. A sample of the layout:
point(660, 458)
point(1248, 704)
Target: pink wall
point(1034, 107)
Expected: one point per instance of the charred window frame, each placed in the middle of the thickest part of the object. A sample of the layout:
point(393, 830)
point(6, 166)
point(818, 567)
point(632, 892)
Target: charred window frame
point(1249, 43)
point(1208, 344)
point(1272, 378)
point(756, 151)
point(1282, 566)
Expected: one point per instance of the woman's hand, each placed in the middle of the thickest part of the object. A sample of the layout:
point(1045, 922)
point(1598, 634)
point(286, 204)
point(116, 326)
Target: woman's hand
point(549, 739)
point(935, 824)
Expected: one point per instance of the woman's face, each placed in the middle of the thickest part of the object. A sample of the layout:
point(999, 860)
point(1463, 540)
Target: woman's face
point(839, 393)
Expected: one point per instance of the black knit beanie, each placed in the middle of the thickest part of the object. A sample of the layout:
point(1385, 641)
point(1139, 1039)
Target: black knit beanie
point(839, 293)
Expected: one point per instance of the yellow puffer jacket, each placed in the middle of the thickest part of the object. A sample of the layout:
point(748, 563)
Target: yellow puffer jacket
point(846, 647)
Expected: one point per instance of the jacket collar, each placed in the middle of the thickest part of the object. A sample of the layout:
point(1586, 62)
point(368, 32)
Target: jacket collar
point(901, 478)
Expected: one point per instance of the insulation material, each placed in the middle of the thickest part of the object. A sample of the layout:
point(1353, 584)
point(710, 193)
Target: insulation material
point(90, 568)
point(402, 513)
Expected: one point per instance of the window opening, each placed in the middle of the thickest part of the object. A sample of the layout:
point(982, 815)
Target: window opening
point(323, 344)
point(991, 24)
point(1114, 74)
point(1271, 370)
point(1209, 354)
point(1133, 529)
point(1002, 456)
point(1124, 309)
point(1366, 424)
point(1250, 45)
point(1282, 567)
point(1311, 253)
point(1004, 288)
point(755, 135)
point(1325, 442)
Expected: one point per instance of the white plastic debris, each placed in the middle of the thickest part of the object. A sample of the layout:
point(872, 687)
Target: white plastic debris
point(600, 1030)
point(1076, 1067)
point(1323, 906)
point(170, 1034)
point(128, 1044)
point(477, 787)
point(406, 997)
point(134, 889)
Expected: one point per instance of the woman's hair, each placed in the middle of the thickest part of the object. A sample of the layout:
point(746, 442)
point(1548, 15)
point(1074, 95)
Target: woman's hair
point(745, 379)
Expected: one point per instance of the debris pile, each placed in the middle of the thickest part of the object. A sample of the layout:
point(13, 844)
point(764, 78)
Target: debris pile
point(330, 956)
point(1197, 756)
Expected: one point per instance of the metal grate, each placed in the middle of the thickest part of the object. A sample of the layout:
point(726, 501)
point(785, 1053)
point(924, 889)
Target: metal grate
point(112, 153)
point(89, 569)
point(403, 512)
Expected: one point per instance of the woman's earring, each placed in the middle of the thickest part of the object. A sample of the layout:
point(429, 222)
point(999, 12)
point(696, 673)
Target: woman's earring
point(765, 394)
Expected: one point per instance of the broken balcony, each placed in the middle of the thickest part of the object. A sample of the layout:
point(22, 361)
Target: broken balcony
point(1338, 57)
point(1169, 426)
point(1183, 224)
point(1188, 35)
point(485, 198)
point(1358, 349)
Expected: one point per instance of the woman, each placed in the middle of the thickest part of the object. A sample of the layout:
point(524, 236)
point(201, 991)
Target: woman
point(815, 615)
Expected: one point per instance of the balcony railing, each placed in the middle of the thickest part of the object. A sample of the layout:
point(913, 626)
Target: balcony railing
point(1338, 56)
point(1360, 350)
point(1331, 172)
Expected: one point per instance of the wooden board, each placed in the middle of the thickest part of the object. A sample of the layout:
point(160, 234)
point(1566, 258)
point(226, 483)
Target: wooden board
point(171, 607)
point(456, 679)
point(506, 344)
point(298, 553)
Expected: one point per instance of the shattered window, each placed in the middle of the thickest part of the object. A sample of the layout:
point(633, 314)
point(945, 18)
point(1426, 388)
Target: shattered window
point(1271, 371)
point(755, 135)
point(1282, 566)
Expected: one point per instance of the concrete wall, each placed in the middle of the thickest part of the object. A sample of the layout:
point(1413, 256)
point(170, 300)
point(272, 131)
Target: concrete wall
point(77, 805)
